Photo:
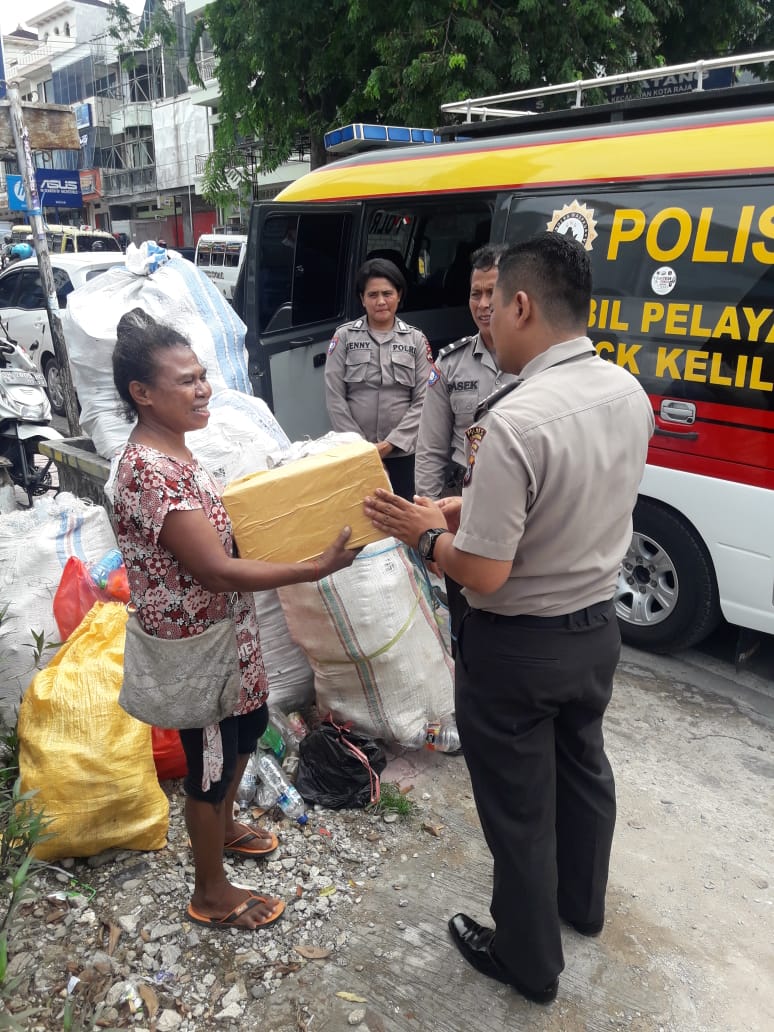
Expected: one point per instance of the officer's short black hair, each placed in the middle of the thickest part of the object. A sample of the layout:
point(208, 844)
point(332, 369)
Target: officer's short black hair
point(382, 268)
point(487, 257)
point(555, 270)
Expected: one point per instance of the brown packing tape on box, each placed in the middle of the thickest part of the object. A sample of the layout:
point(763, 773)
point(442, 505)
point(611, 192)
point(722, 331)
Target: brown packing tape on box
point(292, 513)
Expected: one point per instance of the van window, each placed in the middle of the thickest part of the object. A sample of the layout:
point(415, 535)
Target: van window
point(302, 269)
point(683, 285)
point(431, 246)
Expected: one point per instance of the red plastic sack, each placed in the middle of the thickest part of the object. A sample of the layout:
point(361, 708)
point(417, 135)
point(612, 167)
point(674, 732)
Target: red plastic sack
point(75, 596)
point(168, 754)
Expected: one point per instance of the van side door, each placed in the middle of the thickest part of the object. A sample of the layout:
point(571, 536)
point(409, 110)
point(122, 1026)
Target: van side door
point(295, 289)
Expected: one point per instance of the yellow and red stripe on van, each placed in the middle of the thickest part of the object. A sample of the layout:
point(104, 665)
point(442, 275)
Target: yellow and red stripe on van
point(742, 144)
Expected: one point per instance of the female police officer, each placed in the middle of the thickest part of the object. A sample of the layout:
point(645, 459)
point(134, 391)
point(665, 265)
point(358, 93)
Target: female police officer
point(376, 373)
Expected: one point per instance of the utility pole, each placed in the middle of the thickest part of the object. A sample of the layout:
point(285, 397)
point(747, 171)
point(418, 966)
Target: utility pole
point(27, 171)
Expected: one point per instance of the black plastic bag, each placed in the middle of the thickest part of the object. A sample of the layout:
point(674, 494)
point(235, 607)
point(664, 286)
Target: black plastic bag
point(339, 768)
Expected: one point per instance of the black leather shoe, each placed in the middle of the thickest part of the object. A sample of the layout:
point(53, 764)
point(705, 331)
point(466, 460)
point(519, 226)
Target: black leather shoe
point(474, 942)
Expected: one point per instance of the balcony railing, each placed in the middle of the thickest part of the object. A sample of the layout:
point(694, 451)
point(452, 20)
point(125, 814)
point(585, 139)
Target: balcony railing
point(128, 180)
point(250, 155)
point(206, 66)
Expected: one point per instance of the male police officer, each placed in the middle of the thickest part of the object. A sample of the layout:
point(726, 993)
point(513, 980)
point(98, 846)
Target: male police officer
point(554, 463)
point(463, 375)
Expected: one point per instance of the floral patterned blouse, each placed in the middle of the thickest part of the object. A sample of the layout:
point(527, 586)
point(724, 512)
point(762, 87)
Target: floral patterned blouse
point(171, 603)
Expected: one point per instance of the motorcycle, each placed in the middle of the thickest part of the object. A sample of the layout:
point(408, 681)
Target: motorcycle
point(25, 415)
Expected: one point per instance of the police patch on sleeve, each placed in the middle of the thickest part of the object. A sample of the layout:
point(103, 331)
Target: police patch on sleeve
point(332, 345)
point(475, 435)
point(434, 376)
point(429, 351)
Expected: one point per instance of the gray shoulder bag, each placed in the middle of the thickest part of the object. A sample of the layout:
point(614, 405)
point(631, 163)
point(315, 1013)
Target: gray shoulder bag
point(181, 682)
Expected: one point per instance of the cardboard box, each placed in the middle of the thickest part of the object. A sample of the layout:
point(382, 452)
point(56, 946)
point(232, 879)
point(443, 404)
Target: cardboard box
point(292, 513)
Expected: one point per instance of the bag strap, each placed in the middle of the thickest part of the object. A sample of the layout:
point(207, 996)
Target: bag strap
point(374, 781)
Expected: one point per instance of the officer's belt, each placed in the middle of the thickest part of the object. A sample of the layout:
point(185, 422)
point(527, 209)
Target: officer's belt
point(580, 618)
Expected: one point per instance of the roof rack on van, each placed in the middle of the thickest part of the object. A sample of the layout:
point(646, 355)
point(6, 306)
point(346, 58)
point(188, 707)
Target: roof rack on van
point(483, 108)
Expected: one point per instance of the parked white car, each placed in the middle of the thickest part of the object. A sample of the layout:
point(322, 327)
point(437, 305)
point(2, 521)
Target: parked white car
point(23, 307)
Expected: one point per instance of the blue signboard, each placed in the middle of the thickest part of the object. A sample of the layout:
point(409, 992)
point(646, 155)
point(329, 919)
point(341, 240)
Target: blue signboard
point(58, 188)
point(16, 199)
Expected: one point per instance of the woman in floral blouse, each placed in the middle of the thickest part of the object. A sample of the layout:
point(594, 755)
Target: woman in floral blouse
point(176, 541)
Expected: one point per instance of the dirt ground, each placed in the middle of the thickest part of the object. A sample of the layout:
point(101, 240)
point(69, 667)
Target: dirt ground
point(689, 940)
point(688, 945)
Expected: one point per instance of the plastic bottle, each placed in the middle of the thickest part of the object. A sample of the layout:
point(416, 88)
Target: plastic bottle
point(248, 783)
point(298, 724)
point(288, 799)
point(439, 736)
point(101, 570)
point(272, 741)
point(285, 729)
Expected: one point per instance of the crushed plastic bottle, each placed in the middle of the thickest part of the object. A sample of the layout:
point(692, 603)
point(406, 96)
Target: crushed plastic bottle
point(439, 736)
point(298, 724)
point(285, 729)
point(265, 796)
point(248, 783)
point(286, 795)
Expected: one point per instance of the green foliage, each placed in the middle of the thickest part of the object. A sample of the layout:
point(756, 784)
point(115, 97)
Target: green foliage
point(291, 67)
point(154, 28)
point(392, 800)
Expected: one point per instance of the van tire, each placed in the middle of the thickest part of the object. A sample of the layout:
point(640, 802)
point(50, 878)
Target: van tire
point(667, 595)
point(54, 386)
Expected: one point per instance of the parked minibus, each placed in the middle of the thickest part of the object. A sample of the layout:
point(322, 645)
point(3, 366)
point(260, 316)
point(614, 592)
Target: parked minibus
point(72, 239)
point(220, 256)
point(674, 201)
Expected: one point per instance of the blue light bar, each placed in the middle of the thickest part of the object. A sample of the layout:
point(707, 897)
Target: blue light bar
point(361, 136)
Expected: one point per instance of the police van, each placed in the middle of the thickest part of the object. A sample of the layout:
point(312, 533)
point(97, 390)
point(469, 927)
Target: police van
point(220, 256)
point(674, 201)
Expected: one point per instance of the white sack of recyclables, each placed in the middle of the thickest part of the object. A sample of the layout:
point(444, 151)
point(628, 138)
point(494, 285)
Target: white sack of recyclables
point(174, 292)
point(374, 644)
point(35, 544)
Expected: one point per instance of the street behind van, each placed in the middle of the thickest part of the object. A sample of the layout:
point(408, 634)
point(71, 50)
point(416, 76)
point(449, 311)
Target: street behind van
point(674, 201)
point(220, 256)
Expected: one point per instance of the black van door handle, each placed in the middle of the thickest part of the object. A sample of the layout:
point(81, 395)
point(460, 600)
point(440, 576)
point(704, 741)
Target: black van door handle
point(301, 342)
point(681, 435)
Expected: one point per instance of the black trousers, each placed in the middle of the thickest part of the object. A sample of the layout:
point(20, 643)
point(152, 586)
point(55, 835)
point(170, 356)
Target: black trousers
point(458, 606)
point(530, 698)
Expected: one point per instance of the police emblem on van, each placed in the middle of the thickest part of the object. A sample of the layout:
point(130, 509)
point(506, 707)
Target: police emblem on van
point(577, 221)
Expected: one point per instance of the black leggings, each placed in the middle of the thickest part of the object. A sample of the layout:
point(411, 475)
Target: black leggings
point(400, 470)
point(240, 737)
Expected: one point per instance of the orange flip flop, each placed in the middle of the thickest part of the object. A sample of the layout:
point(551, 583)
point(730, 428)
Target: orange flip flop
point(230, 919)
point(240, 846)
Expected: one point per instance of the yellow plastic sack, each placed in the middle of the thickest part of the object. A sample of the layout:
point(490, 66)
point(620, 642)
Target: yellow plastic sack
point(91, 763)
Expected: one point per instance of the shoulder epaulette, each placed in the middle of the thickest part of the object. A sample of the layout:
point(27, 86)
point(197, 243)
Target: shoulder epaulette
point(357, 324)
point(402, 327)
point(491, 400)
point(454, 346)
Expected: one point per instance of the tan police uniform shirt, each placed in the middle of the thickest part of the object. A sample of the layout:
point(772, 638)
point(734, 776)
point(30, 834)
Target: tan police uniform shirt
point(464, 374)
point(554, 466)
point(375, 386)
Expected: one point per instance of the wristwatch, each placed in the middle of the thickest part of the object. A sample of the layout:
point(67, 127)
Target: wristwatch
point(427, 540)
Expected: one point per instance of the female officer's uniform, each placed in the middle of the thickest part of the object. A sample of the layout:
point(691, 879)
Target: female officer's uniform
point(375, 384)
